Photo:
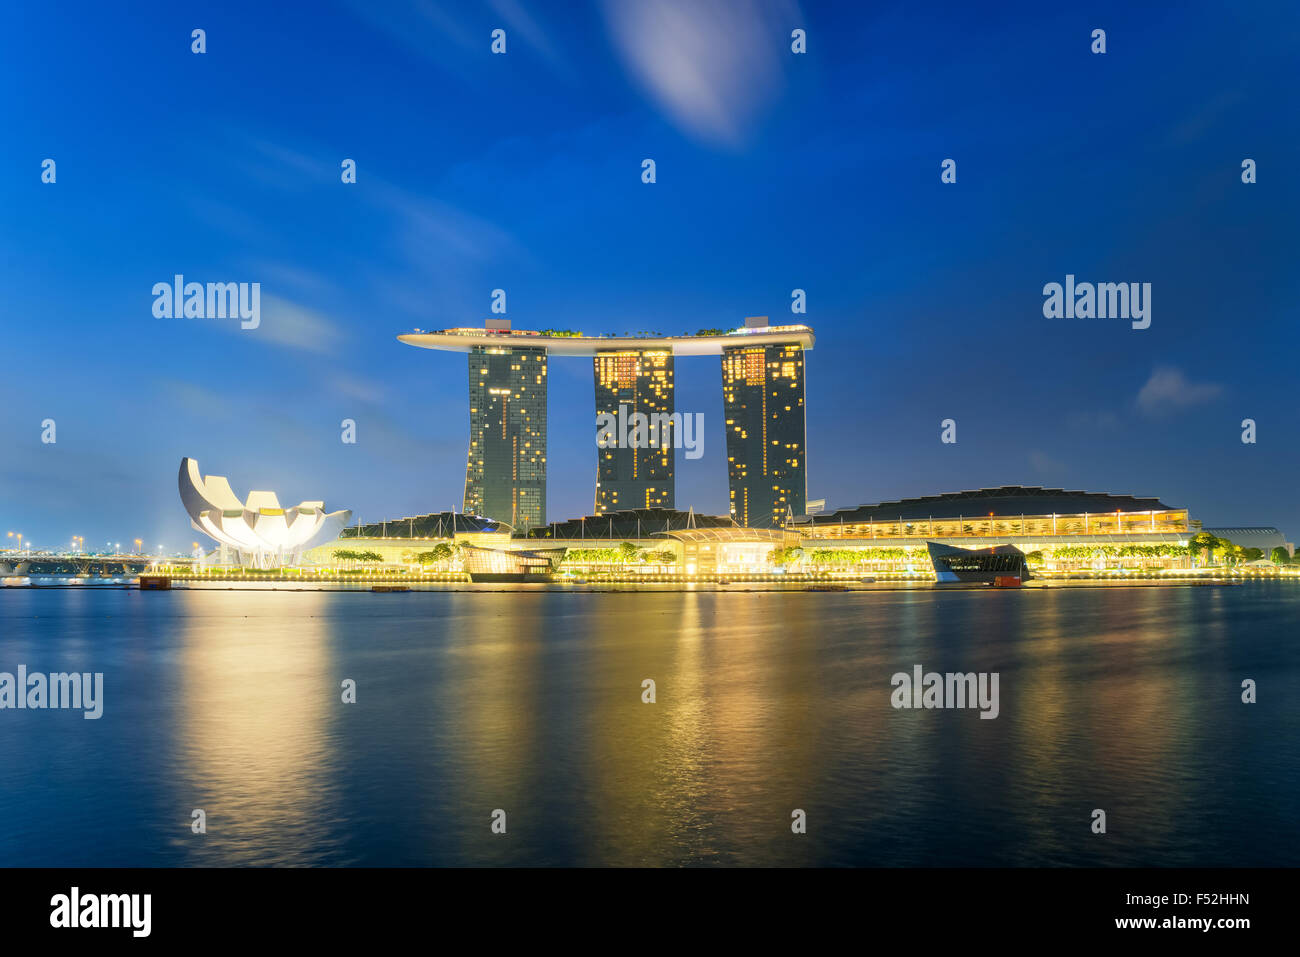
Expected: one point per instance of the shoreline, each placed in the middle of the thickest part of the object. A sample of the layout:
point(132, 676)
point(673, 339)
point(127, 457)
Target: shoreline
point(224, 585)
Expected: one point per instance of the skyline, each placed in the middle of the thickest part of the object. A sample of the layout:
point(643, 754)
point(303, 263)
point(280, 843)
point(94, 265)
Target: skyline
point(523, 172)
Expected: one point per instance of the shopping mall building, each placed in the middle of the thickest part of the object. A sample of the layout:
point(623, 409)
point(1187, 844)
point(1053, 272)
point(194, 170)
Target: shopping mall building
point(1068, 530)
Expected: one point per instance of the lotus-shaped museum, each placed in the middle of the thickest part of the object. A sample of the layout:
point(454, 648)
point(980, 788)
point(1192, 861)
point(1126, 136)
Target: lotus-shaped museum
point(264, 534)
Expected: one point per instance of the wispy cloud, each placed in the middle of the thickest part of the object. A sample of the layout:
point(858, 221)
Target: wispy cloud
point(1169, 390)
point(427, 244)
point(430, 229)
point(426, 28)
point(362, 390)
point(425, 227)
point(289, 167)
point(518, 23)
point(294, 326)
point(288, 324)
point(712, 65)
point(287, 276)
point(195, 400)
point(422, 26)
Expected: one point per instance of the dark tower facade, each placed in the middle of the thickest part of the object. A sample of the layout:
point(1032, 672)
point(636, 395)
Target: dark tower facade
point(630, 473)
point(505, 476)
point(763, 406)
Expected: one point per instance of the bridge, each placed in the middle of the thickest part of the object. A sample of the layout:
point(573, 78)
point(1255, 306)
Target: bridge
point(75, 566)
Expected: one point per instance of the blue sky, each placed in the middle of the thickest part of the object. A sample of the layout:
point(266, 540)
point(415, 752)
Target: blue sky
point(775, 171)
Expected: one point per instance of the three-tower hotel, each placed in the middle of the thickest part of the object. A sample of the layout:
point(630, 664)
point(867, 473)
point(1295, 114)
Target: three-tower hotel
point(763, 405)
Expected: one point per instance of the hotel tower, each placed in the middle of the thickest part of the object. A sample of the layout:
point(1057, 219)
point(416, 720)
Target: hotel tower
point(763, 408)
point(628, 382)
point(505, 475)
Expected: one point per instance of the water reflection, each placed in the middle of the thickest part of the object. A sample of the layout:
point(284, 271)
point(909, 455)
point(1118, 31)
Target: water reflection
point(1123, 699)
point(254, 712)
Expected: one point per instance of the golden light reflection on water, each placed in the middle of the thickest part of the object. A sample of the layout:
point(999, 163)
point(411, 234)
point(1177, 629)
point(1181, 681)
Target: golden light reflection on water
point(656, 777)
point(765, 703)
point(1101, 714)
point(488, 709)
point(253, 723)
point(736, 740)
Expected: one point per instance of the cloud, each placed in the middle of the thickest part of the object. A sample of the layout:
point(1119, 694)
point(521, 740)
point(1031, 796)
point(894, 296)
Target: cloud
point(293, 326)
point(291, 167)
point(428, 228)
point(425, 28)
point(284, 275)
point(195, 399)
point(424, 229)
point(421, 25)
point(1168, 391)
point(712, 65)
point(362, 390)
point(519, 23)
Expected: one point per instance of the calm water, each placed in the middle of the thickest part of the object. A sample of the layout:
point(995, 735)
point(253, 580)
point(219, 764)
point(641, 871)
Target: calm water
point(1126, 699)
